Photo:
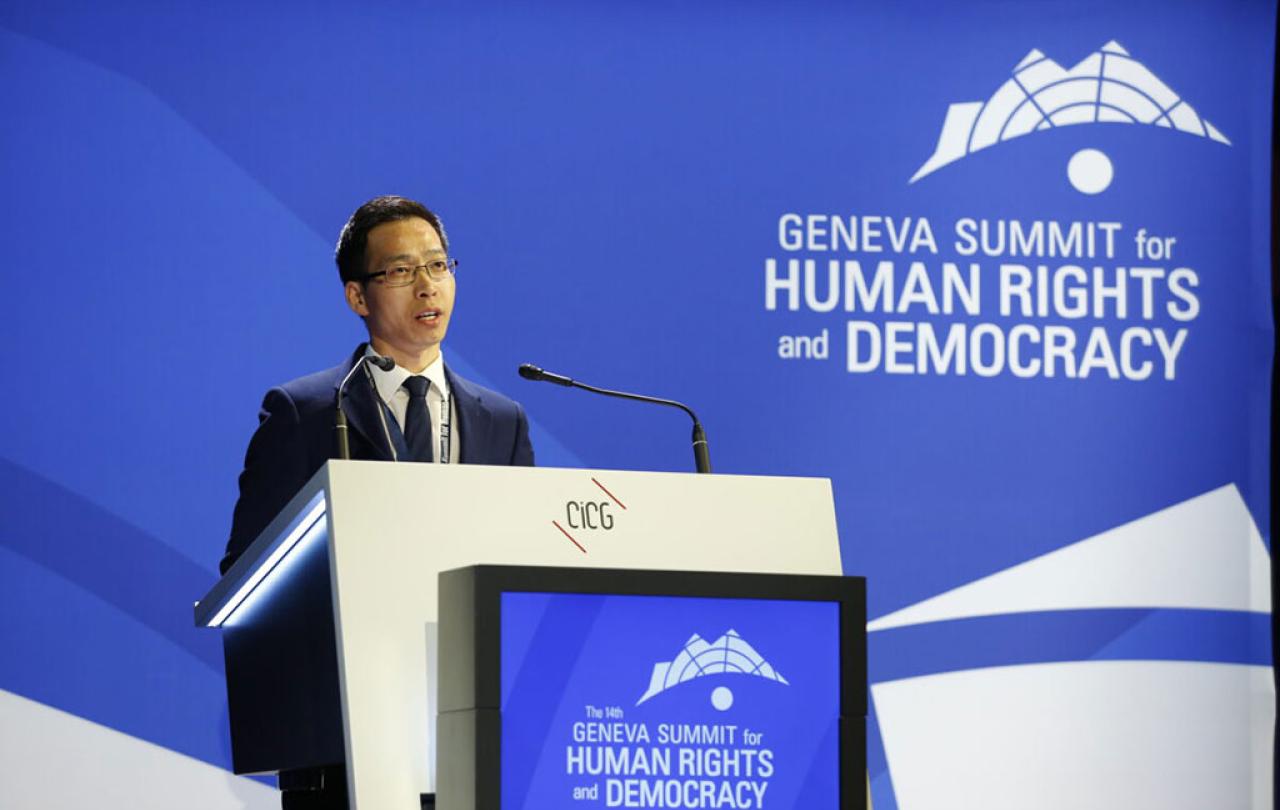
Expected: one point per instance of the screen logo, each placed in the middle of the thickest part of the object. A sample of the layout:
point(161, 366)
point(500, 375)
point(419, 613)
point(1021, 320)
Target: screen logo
point(729, 654)
point(589, 720)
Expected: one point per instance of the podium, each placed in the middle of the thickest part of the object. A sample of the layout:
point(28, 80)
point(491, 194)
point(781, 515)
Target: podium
point(329, 617)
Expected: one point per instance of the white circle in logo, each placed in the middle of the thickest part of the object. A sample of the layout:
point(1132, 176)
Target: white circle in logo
point(1090, 171)
point(721, 698)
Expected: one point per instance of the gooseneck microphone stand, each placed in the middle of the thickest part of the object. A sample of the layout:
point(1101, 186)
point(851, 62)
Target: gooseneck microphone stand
point(341, 444)
point(701, 456)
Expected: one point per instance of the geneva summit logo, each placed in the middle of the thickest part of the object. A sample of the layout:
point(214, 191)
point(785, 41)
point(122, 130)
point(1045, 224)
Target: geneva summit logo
point(729, 654)
point(680, 756)
point(1108, 86)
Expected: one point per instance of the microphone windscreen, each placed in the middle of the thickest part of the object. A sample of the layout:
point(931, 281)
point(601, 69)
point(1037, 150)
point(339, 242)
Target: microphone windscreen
point(530, 371)
point(384, 363)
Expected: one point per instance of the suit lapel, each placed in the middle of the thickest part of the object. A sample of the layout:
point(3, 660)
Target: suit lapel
point(473, 418)
point(361, 405)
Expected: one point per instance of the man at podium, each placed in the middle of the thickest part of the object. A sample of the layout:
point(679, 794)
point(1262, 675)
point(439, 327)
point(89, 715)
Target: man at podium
point(400, 399)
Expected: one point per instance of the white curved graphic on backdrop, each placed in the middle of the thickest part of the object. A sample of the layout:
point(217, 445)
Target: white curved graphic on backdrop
point(67, 761)
point(1107, 735)
point(1204, 553)
point(1108, 86)
point(1099, 734)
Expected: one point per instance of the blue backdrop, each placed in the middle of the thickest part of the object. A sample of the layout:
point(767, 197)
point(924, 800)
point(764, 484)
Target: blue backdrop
point(614, 179)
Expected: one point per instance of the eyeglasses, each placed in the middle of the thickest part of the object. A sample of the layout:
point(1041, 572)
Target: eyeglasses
point(402, 275)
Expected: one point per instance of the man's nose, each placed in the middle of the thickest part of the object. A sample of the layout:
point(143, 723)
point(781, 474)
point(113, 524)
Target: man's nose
point(423, 285)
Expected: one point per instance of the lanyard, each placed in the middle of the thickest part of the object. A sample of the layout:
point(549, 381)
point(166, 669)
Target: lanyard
point(446, 428)
point(446, 422)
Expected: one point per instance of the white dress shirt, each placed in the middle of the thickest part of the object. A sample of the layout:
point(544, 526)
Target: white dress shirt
point(390, 385)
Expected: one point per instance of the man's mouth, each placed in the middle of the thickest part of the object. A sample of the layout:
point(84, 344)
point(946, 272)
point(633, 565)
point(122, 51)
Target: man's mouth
point(429, 316)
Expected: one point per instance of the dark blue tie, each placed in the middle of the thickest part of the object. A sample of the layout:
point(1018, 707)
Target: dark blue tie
point(417, 419)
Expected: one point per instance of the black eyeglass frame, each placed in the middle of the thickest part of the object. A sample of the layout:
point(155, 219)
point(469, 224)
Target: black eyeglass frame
point(450, 268)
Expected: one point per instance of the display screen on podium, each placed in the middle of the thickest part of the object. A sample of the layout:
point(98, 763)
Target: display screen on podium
point(601, 688)
point(621, 700)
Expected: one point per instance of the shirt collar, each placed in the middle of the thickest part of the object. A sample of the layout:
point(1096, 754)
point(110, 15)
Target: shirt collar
point(389, 382)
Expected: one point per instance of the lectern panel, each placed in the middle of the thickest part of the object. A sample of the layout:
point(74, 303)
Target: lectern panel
point(282, 670)
point(616, 688)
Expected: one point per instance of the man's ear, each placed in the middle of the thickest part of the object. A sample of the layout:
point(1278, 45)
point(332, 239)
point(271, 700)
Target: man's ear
point(355, 298)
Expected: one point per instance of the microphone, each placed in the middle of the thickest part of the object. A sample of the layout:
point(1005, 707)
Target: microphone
point(342, 448)
point(531, 372)
point(701, 456)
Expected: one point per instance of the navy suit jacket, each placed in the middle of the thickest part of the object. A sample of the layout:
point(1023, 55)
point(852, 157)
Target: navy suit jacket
point(295, 438)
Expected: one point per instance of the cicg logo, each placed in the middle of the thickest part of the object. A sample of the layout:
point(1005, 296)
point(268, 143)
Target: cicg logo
point(597, 513)
point(588, 515)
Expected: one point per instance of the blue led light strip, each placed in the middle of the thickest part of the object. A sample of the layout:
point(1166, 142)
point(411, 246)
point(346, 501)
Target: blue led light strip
point(264, 573)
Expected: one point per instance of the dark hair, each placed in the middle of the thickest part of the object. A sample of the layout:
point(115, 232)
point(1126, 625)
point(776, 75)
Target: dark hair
point(355, 234)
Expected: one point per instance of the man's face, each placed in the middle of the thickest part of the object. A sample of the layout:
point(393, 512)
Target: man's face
point(405, 323)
